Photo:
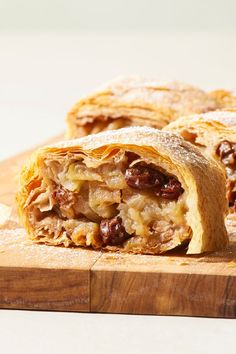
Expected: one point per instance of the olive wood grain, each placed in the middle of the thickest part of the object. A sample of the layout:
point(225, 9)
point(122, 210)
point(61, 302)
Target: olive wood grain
point(167, 285)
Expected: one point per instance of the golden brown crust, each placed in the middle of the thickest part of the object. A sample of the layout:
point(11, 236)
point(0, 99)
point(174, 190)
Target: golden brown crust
point(135, 102)
point(211, 127)
point(200, 177)
point(224, 99)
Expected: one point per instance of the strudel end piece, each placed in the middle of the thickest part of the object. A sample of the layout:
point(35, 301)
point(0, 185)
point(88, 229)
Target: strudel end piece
point(215, 134)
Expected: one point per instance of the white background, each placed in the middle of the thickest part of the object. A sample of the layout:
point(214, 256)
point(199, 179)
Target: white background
point(28, 332)
point(53, 52)
point(157, 15)
point(42, 74)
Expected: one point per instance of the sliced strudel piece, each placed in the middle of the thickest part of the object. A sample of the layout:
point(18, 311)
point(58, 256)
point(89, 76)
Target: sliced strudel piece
point(134, 189)
point(135, 102)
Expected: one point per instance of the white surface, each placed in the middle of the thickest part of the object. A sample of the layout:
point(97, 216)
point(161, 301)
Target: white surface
point(69, 333)
point(41, 76)
point(118, 14)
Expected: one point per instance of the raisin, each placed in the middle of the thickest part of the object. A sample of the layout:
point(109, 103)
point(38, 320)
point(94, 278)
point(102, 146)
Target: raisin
point(143, 177)
point(113, 232)
point(131, 156)
point(170, 190)
point(224, 149)
point(229, 159)
point(62, 196)
point(227, 152)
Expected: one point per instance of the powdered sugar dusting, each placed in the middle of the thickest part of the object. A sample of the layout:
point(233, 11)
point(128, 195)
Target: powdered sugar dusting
point(164, 142)
point(125, 83)
point(175, 95)
point(226, 118)
point(17, 250)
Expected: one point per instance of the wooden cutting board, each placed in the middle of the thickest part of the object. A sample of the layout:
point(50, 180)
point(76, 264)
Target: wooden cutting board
point(55, 278)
